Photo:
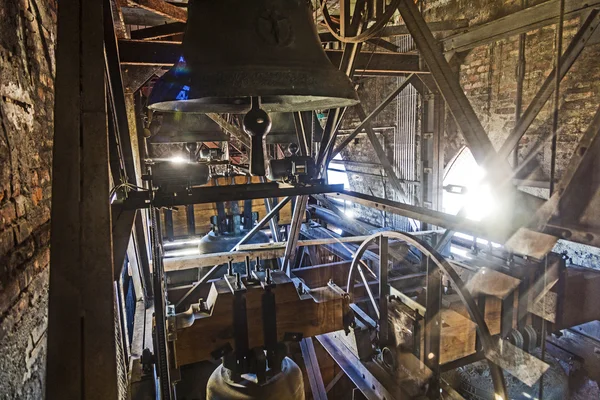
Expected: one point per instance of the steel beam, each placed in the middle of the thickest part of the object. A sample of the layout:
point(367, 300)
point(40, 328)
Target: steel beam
point(384, 291)
point(267, 218)
point(523, 21)
point(356, 226)
point(166, 54)
point(432, 150)
point(421, 214)
point(317, 387)
point(117, 98)
point(371, 386)
point(291, 247)
point(400, 30)
point(569, 57)
point(214, 194)
point(433, 325)
point(122, 227)
point(303, 135)
point(347, 65)
point(236, 131)
point(477, 139)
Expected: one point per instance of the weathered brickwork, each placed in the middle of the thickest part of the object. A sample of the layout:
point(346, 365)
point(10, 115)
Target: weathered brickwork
point(488, 75)
point(27, 40)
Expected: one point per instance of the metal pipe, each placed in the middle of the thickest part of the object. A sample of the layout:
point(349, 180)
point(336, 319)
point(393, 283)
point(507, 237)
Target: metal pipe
point(301, 133)
point(520, 79)
point(559, 39)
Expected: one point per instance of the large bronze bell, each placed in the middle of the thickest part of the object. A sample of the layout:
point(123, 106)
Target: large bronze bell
point(237, 49)
point(184, 128)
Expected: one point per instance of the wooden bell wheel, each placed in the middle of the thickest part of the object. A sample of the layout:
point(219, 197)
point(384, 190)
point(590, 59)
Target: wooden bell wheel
point(436, 263)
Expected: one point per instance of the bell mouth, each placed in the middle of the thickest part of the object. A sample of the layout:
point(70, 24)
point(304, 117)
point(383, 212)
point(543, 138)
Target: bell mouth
point(229, 90)
point(241, 105)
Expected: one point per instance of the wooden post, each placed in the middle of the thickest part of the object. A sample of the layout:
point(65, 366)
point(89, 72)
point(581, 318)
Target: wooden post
point(81, 332)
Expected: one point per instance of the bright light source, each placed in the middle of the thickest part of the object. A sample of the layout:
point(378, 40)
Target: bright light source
point(479, 202)
point(349, 213)
point(182, 243)
point(477, 197)
point(459, 252)
point(178, 160)
point(183, 252)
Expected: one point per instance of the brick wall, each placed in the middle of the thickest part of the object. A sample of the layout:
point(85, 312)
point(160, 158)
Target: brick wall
point(27, 67)
point(488, 77)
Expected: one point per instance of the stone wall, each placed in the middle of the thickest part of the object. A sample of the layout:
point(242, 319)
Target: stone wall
point(27, 39)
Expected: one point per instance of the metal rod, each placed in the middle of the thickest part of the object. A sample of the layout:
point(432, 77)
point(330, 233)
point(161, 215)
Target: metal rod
point(578, 43)
point(369, 292)
point(292, 241)
point(521, 65)
point(543, 344)
point(559, 41)
point(261, 223)
point(334, 117)
point(384, 290)
point(301, 133)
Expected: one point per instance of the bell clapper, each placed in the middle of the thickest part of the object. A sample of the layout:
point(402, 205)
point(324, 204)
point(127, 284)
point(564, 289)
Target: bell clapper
point(257, 124)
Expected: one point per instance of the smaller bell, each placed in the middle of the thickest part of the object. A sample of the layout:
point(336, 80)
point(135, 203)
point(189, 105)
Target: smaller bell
point(184, 128)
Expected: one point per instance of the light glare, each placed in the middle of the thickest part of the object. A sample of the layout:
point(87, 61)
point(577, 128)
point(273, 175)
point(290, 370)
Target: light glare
point(178, 160)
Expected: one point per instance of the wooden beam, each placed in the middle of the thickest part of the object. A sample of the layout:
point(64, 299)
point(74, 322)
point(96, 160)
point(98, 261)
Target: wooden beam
point(317, 387)
point(266, 250)
point(175, 28)
point(159, 31)
point(162, 8)
point(82, 358)
point(159, 53)
point(319, 275)
point(313, 313)
point(123, 221)
point(400, 30)
point(526, 20)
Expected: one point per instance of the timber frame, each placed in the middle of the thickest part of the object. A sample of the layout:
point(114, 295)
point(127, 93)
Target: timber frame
point(98, 145)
